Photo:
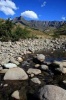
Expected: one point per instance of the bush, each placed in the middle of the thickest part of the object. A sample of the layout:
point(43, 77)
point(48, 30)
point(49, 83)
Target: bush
point(7, 31)
point(20, 33)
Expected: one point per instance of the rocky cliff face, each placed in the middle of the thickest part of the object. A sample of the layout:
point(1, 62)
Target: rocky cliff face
point(40, 25)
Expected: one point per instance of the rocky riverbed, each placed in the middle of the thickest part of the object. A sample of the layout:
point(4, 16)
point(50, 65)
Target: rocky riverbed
point(10, 50)
point(33, 70)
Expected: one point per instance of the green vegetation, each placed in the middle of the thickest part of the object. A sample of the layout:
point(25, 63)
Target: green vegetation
point(20, 33)
point(7, 31)
point(14, 32)
point(60, 31)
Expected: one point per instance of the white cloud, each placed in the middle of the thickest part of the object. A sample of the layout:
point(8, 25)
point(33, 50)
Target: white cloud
point(63, 18)
point(44, 4)
point(29, 14)
point(7, 7)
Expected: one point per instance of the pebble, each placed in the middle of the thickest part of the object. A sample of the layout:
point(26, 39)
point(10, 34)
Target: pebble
point(19, 59)
point(44, 67)
point(34, 71)
point(40, 57)
point(37, 65)
point(36, 80)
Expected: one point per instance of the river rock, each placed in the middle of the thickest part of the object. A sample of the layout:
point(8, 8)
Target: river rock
point(19, 59)
point(3, 71)
point(1, 68)
point(61, 64)
point(4, 61)
point(10, 65)
point(58, 63)
point(33, 71)
point(36, 80)
point(41, 57)
point(44, 67)
point(15, 74)
point(14, 61)
point(64, 81)
point(51, 92)
point(37, 65)
point(15, 95)
point(63, 70)
point(64, 63)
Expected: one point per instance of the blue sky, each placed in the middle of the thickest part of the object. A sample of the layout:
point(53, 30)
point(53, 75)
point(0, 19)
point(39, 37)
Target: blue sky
point(34, 9)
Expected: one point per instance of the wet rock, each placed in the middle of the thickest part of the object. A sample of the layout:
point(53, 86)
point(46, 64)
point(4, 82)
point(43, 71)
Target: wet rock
point(44, 67)
point(36, 80)
point(10, 65)
point(33, 71)
point(51, 92)
point(41, 57)
point(15, 95)
point(15, 74)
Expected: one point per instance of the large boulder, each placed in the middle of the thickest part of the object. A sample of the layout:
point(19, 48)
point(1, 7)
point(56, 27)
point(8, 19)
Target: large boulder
point(41, 57)
point(51, 92)
point(33, 71)
point(15, 74)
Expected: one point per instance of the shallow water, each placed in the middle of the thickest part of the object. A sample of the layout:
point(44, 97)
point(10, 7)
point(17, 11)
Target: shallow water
point(51, 55)
point(29, 89)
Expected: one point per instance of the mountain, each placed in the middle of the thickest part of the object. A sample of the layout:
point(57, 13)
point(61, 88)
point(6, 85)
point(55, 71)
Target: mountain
point(38, 25)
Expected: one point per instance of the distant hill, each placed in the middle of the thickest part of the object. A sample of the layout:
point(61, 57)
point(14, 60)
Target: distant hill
point(39, 25)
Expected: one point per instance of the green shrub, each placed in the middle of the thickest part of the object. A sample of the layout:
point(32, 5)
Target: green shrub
point(20, 33)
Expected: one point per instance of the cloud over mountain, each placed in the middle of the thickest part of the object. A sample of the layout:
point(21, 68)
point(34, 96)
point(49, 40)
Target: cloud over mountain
point(8, 7)
point(29, 14)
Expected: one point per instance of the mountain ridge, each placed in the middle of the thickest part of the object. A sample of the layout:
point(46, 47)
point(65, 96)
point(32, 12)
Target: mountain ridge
point(37, 24)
